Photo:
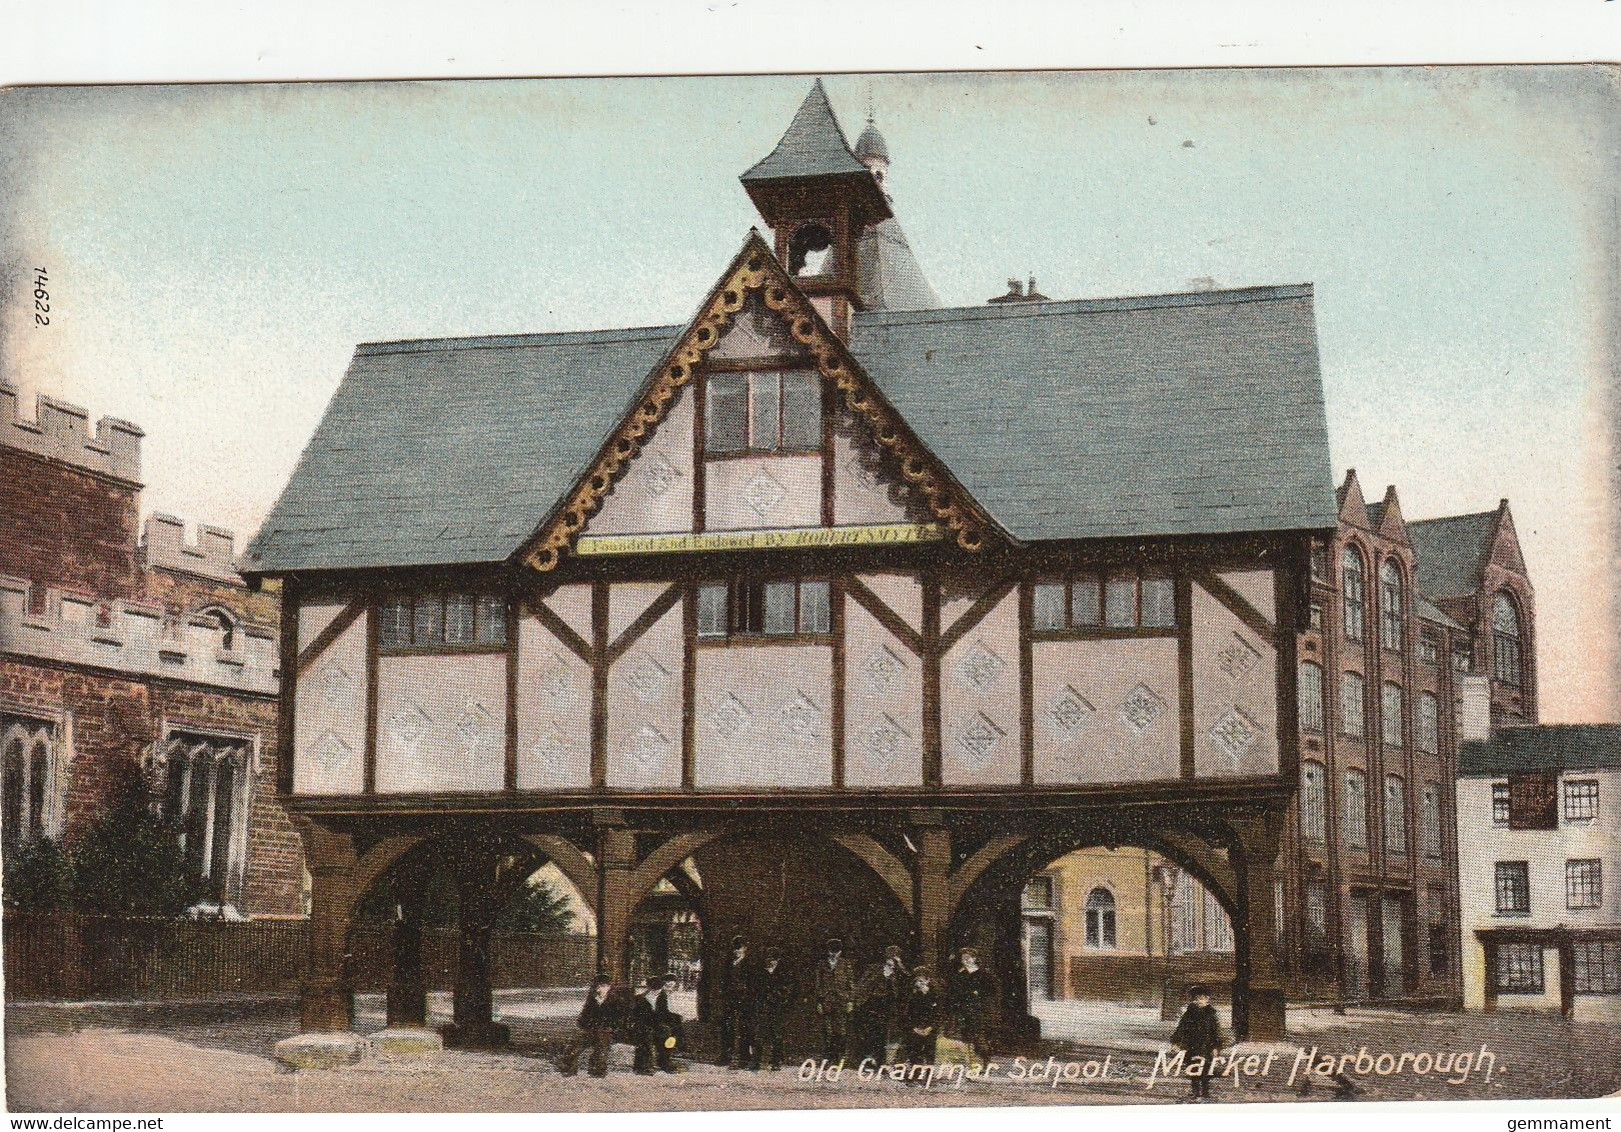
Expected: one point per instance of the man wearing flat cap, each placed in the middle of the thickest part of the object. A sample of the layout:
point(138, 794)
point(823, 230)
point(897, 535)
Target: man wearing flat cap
point(834, 995)
point(774, 990)
point(737, 995)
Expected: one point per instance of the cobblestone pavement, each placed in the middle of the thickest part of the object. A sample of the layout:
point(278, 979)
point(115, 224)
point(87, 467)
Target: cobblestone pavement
point(217, 1058)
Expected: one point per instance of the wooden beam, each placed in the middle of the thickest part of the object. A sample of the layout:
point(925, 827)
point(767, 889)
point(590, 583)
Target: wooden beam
point(373, 633)
point(932, 755)
point(884, 615)
point(977, 612)
point(647, 619)
point(599, 684)
point(1238, 605)
point(561, 630)
point(332, 632)
point(1184, 673)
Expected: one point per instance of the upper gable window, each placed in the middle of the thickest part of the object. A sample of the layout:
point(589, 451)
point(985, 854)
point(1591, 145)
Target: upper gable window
point(763, 412)
point(442, 622)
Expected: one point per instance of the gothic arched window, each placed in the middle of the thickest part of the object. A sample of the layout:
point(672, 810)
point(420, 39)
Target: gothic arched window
point(1507, 665)
point(1100, 918)
point(1391, 605)
point(1352, 595)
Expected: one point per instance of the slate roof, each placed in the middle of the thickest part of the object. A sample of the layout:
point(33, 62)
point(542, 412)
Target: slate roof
point(889, 277)
point(814, 145)
point(452, 450)
point(1184, 414)
point(1164, 415)
point(1428, 612)
point(1448, 552)
point(1510, 750)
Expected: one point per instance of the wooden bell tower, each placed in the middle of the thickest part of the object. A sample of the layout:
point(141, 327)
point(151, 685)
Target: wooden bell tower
point(818, 198)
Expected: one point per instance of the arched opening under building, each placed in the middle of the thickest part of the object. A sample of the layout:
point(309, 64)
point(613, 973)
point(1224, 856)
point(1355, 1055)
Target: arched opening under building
point(1095, 941)
point(477, 933)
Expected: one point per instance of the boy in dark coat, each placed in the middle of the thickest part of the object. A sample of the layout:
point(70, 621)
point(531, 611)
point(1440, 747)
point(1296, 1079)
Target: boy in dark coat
point(737, 1000)
point(972, 997)
point(920, 1019)
point(1199, 1035)
point(655, 1028)
point(835, 998)
point(774, 990)
point(601, 1015)
point(881, 991)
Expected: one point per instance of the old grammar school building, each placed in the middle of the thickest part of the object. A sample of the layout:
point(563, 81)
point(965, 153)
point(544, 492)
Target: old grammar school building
point(838, 615)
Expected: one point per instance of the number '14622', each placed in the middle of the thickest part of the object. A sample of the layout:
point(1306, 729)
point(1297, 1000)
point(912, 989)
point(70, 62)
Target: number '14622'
point(42, 298)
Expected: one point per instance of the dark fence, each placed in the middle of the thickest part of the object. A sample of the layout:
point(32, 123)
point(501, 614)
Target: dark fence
point(99, 957)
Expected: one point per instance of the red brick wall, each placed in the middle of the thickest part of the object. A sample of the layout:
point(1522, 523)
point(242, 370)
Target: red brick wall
point(68, 527)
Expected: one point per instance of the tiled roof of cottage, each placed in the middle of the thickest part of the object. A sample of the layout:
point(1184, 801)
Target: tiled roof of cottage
point(1193, 414)
point(1556, 747)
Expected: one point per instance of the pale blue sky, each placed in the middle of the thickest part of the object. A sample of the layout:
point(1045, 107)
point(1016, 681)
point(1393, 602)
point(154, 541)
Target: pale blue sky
point(215, 252)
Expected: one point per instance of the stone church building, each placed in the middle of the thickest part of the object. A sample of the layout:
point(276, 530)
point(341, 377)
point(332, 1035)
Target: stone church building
point(837, 612)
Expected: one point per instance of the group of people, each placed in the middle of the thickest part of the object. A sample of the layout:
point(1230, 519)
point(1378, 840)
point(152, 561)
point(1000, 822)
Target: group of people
point(860, 1014)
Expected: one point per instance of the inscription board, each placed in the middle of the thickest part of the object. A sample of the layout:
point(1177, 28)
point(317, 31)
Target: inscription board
point(788, 538)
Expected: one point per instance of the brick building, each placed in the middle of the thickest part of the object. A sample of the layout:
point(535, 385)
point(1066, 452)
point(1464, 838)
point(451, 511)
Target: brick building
point(1421, 636)
point(125, 644)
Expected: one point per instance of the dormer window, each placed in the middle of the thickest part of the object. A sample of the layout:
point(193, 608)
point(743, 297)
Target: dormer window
point(763, 412)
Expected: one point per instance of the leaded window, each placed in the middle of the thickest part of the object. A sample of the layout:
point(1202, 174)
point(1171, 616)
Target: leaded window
point(1584, 884)
point(1352, 596)
point(762, 412)
point(1506, 662)
point(205, 781)
point(1395, 815)
point(1311, 696)
point(1581, 799)
point(1513, 888)
point(1313, 802)
point(1519, 968)
point(779, 608)
point(1354, 809)
point(1598, 966)
point(27, 769)
point(1390, 715)
point(1391, 605)
point(453, 621)
point(1353, 705)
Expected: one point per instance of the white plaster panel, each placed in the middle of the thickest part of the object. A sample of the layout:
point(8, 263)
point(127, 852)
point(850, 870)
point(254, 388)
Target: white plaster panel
point(757, 334)
point(554, 712)
point(903, 593)
point(745, 493)
point(883, 705)
point(441, 723)
point(628, 601)
point(1106, 711)
point(644, 709)
point(1235, 677)
point(764, 716)
point(866, 488)
point(979, 702)
point(572, 604)
point(1255, 586)
point(329, 724)
point(654, 496)
point(312, 619)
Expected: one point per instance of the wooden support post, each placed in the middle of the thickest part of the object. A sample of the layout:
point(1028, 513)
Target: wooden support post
point(478, 900)
point(327, 1001)
point(616, 860)
point(1259, 1002)
point(932, 883)
point(408, 985)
